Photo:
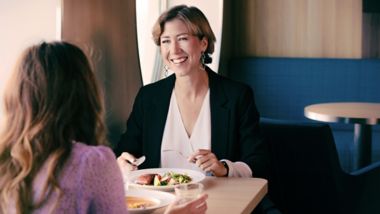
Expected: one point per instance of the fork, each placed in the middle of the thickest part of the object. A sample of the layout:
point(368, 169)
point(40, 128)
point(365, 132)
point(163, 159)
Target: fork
point(182, 155)
point(139, 161)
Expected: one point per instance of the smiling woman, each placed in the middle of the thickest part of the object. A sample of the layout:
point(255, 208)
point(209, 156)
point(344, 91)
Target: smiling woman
point(152, 67)
point(201, 111)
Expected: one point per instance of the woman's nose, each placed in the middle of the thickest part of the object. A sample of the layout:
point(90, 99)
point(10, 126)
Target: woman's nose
point(174, 47)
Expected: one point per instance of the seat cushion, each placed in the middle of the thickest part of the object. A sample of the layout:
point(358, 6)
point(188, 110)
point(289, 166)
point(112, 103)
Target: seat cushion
point(304, 166)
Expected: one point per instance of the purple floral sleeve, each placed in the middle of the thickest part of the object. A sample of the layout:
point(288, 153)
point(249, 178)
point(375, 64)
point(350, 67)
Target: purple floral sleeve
point(91, 182)
point(102, 181)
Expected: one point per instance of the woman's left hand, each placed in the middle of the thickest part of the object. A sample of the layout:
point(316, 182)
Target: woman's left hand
point(207, 161)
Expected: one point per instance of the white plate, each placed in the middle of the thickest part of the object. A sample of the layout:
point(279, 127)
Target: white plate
point(163, 199)
point(195, 176)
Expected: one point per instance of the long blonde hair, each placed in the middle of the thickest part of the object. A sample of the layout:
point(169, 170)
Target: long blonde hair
point(51, 99)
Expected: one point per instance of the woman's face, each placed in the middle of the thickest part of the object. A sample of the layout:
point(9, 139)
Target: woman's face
point(181, 51)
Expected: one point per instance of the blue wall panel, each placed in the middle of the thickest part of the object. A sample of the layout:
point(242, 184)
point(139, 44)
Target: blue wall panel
point(284, 86)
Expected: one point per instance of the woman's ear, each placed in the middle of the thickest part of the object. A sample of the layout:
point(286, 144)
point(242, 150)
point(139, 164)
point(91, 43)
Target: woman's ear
point(204, 44)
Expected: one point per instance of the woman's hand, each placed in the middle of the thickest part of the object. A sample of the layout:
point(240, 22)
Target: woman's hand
point(196, 206)
point(125, 161)
point(207, 161)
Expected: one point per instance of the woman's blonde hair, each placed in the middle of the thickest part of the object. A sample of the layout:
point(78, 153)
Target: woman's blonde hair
point(196, 23)
point(51, 100)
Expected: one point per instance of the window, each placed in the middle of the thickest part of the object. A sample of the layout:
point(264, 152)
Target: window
point(22, 23)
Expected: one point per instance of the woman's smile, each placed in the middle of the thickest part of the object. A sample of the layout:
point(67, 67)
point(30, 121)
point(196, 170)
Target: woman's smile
point(178, 60)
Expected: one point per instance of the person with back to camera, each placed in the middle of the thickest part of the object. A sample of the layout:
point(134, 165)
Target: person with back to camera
point(195, 118)
point(53, 153)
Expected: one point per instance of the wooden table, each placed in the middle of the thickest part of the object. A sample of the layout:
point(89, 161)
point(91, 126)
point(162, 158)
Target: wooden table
point(362, 115)
point(232, 195)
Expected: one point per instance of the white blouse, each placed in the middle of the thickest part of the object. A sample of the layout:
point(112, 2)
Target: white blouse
point(177, 146)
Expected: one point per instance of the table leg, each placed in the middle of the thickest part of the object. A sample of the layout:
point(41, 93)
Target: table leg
point(362, 146)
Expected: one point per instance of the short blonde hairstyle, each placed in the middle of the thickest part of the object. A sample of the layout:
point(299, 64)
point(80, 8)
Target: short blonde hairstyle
point(195, 21)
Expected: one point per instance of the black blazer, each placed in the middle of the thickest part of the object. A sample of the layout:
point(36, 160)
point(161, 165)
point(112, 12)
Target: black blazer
point(235, 133)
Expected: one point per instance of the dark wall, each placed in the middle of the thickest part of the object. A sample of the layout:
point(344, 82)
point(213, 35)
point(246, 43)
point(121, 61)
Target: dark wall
point(106, 30)
point(371, 6)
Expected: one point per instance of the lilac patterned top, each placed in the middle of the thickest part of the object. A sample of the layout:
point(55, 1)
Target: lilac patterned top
point(91, 182)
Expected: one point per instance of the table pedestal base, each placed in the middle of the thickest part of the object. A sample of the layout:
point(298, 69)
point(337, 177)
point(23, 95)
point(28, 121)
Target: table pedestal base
point(362, 146)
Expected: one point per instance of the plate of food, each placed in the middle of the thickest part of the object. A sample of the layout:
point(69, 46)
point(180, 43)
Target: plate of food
point(163, 179)
point(146, 201)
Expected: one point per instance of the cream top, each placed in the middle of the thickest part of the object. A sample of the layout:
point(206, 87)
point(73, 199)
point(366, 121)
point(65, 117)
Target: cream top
point(176, 144)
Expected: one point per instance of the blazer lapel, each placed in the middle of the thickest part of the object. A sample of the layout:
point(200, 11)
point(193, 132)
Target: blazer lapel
point(157, 115)
point(220, 116)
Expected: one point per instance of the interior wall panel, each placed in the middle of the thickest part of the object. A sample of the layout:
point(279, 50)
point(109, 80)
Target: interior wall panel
point(371, 35)
point(106, 30)
point(298, 28)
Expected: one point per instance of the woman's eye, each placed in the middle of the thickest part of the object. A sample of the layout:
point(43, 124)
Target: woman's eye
point(182, 39)
point(165, 41)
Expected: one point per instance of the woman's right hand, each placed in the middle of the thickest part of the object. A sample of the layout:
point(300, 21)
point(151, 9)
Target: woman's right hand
point(125, 161)
point(196, 206)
